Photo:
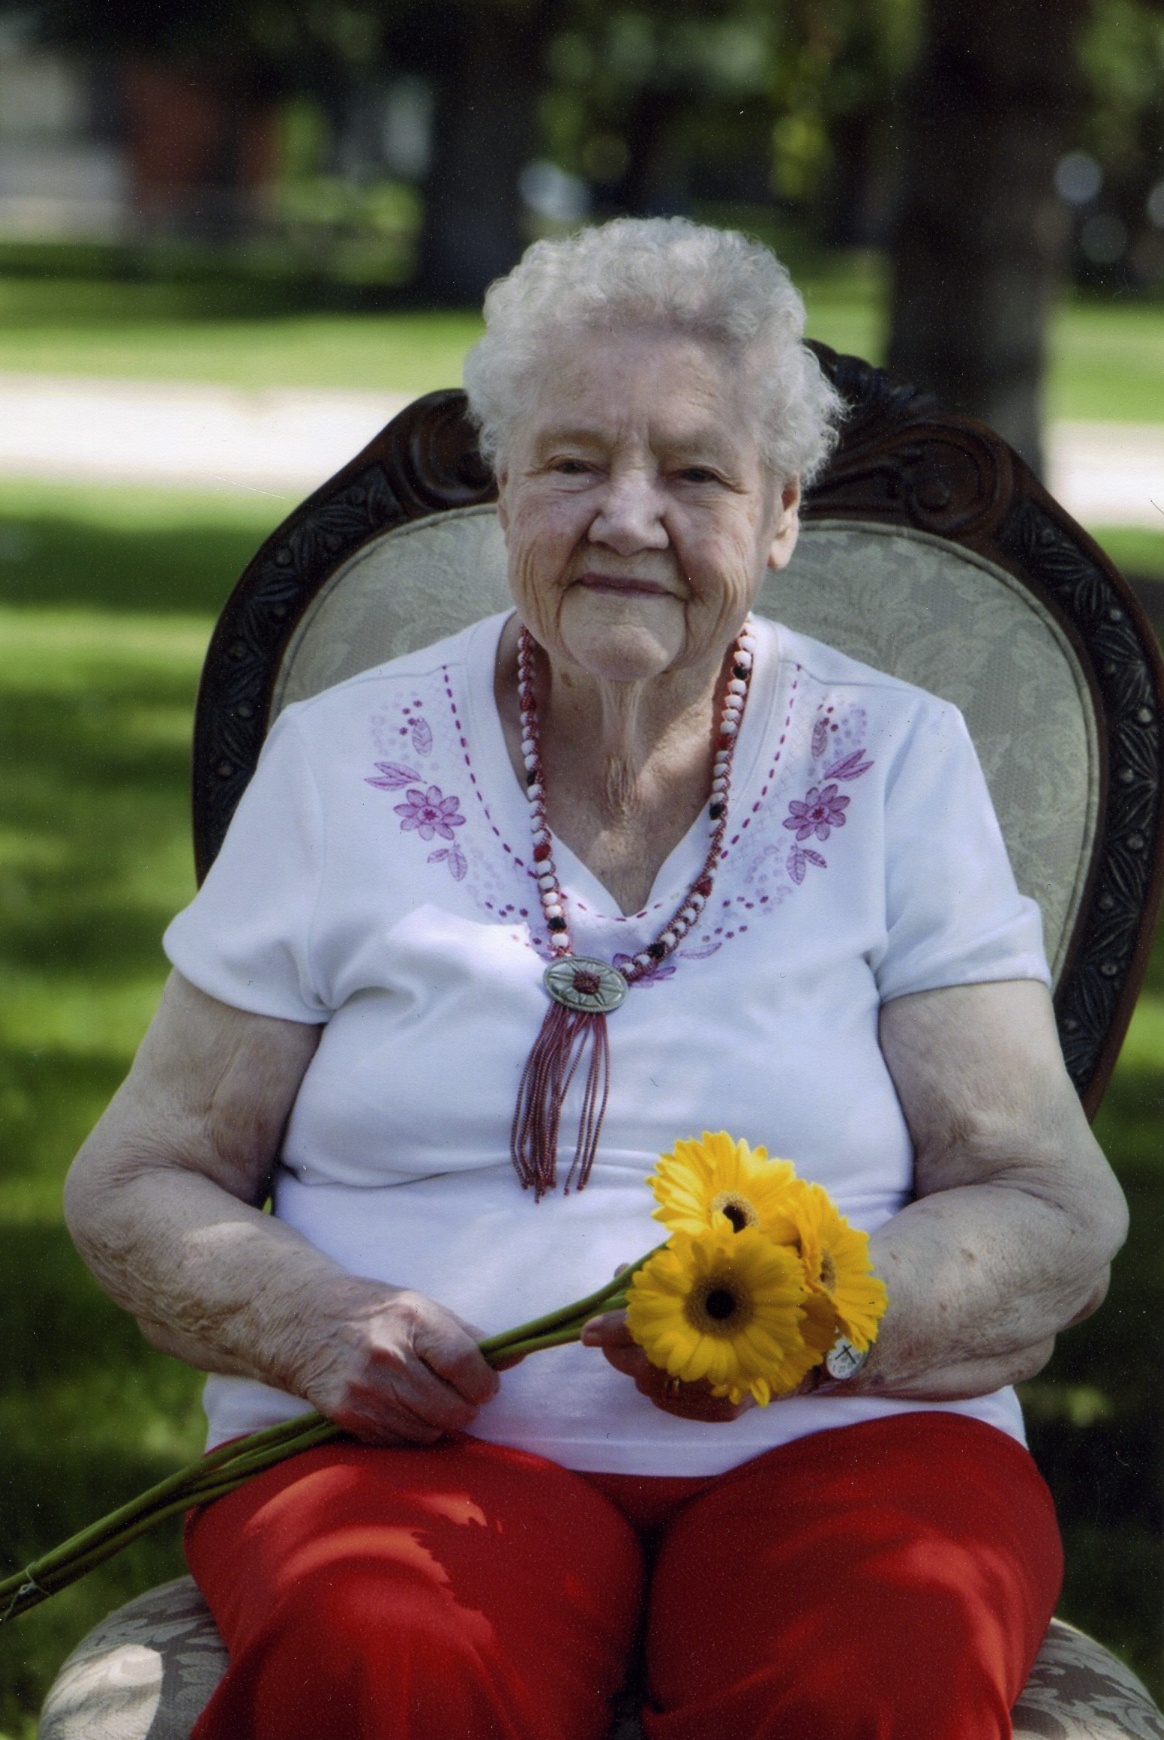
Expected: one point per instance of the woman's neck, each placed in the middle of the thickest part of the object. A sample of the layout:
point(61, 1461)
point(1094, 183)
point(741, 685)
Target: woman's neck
point(627, 765)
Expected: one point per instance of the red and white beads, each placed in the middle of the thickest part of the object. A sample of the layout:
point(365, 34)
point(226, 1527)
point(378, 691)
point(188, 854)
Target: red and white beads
point(686, 915)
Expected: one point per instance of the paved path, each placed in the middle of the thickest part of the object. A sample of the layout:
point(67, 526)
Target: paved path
point(292, 439)
point(1109, 474)
point(185, 434)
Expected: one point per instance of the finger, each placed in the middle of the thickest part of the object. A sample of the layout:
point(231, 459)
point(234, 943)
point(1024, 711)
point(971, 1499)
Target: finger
point(608, 1330)
point(454, 1357)
point(712, 1410)
point(628, 1360)
point(375, 1421)
point(427, 1395)
point(688, 1401)
point(411, 1400)
point(509, 1361)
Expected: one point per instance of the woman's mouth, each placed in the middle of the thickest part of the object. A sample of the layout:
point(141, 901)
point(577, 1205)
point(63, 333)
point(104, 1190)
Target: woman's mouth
point(624, 585)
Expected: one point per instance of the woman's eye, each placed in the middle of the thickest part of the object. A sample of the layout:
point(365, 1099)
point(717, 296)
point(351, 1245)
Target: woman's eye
point(571, 467)
point(697, 474)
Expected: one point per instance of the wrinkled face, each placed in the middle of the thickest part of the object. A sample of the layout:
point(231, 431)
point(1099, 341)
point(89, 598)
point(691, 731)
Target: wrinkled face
point(638, 512)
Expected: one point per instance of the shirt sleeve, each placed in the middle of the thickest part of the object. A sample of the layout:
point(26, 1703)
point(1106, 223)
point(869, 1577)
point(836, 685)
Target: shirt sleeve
point(246, 936)
point(954, 914)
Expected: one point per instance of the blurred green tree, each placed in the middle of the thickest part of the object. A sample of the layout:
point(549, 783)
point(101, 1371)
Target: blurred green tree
point(483, 59)
point(978, 237)
point(1119, 229)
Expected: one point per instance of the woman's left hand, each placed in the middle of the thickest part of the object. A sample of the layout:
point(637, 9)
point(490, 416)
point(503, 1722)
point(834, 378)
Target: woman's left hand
point(689, 1401)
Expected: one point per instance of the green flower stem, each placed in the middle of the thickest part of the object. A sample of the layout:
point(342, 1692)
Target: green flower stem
point(226, 1469)
point(559, 1337)
point(200, 1482)
point(582, 1309)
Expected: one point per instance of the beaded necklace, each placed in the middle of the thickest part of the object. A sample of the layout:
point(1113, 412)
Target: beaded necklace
point(583, 991)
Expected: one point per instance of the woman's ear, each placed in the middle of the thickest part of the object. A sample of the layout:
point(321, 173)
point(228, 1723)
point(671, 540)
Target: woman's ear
point(787, 526)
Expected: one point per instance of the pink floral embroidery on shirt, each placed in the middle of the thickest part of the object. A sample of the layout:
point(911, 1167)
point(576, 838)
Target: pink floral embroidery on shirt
point(799, 858)
point(821, 812)
point(456, 861)
point(430, 812)
point(392, 776)
point(849, 767)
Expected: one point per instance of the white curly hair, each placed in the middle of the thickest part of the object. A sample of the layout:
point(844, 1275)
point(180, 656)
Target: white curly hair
point(714, 284)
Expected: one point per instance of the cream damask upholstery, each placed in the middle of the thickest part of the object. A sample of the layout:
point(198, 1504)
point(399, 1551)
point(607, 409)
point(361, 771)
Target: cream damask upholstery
point(148, 1670)
point(898, 599)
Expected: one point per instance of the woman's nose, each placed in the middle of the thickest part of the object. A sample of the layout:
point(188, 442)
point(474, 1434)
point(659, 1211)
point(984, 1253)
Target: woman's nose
point(630, 517)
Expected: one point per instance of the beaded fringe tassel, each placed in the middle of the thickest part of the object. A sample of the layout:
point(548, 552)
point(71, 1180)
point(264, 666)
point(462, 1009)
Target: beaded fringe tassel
point(558, 1051)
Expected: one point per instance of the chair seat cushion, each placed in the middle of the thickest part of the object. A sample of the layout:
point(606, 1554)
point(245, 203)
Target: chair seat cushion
point(148, 1670)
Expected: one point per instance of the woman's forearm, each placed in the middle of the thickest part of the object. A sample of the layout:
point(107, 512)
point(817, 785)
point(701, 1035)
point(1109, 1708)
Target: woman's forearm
point(210, 1279)
point(1017, 1214)
point(980, 1281)
point(229, 1289)
point(160, 1202)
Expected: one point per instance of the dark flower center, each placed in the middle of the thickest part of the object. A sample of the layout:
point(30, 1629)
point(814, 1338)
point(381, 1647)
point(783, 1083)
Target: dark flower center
point(736, 1209)
point(588, 984)
point(720, 1305)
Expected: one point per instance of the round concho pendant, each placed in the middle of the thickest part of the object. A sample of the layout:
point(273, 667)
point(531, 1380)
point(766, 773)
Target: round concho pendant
point(589, 987)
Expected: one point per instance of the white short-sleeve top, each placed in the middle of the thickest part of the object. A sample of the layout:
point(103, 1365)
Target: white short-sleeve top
point(376, 879)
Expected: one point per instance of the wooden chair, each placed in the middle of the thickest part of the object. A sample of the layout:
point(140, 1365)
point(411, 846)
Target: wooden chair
point(928, 550)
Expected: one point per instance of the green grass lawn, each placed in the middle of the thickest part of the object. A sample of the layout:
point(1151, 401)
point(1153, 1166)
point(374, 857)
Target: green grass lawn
point(106, 602)
point(1107, 359)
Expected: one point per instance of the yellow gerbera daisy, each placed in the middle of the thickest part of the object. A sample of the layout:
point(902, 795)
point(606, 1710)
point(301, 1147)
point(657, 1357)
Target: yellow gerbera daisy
point(836, 1263)
point(724, 1306)
point(719, 1175)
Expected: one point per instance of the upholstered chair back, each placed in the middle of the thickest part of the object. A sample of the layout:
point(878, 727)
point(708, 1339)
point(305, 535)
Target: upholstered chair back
point(927, 550)
point(900, 600)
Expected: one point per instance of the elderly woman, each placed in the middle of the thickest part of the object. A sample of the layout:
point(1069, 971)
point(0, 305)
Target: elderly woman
point(786, 866)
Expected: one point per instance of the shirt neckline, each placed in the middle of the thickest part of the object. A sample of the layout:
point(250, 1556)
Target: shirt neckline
point(770, 674)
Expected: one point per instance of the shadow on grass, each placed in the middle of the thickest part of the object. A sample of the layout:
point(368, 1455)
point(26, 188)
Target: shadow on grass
point(54, 559)
point(93, 859)
point(89, 1416)
point(54, 1320)
point(1094, 1415)
point(50, 1098)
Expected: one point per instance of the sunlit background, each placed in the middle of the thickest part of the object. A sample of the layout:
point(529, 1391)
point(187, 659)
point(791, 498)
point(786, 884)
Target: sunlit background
point(235, 237)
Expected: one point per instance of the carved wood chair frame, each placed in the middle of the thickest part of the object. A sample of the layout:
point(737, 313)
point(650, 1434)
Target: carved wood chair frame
point(902, 460)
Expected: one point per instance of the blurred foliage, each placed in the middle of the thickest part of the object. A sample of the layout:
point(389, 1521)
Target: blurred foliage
point(656, 106)
point(648, 106)
point(1122, 125)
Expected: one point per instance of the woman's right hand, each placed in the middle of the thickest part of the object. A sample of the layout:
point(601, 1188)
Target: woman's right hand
point(392, 1367)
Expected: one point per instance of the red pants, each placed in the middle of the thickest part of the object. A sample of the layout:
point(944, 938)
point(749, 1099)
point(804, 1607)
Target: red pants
point(893, 1579)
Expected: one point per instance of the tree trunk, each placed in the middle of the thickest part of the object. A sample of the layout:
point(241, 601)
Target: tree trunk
point(482, 134)
point(978, 238)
